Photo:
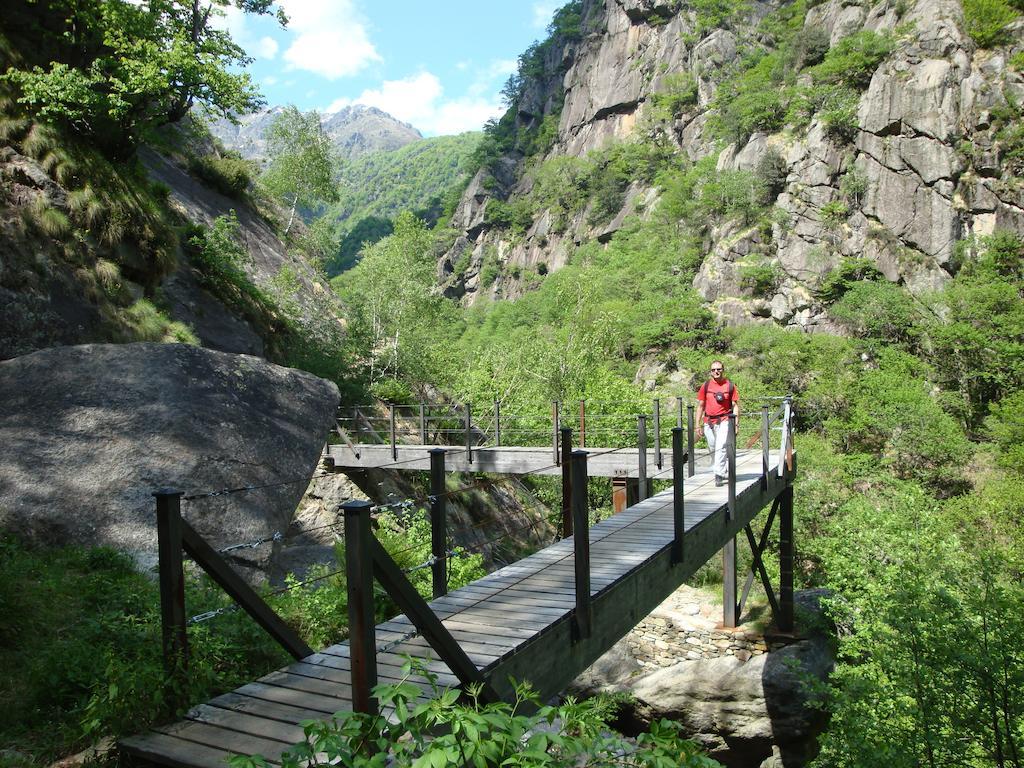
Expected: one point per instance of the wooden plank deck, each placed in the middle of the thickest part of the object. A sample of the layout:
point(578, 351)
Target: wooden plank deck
point(515, 621)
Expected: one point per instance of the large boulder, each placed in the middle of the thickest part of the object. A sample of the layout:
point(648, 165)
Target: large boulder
point(89, 432)
point(741, 704)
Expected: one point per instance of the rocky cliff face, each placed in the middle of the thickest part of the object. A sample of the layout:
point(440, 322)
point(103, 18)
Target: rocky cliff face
point(354, 131)
point(926, 144)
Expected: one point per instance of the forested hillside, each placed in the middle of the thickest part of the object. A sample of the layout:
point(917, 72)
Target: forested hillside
point(824, 195)
point(675, 183)
point(424, 177)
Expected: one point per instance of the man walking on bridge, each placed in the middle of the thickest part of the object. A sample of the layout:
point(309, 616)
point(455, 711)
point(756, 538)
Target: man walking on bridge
point(716, 399)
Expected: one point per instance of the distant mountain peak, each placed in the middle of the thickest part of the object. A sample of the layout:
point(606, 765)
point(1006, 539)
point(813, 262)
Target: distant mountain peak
point(355, 130)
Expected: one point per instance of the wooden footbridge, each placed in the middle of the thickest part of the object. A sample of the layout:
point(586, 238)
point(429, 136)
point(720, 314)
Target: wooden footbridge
point(544, 619)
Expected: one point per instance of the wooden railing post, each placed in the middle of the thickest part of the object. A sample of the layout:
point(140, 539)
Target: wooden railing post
point(359, 570)
point(556, 425)
point(583, 423)
point(469, 435)
point(172, 590)
point(730, 449)
point(786, 554)
point(679, 412)
point(641, 442)
point(691, 459)
point(394, 442)
point(730, 608)
point(497, 422)
point(423, 423)
point(787, 409)
point(765, 447)
point(567, 488)
point(583, 615)
point(678, 519)
point(657, 432)
point(438, 524)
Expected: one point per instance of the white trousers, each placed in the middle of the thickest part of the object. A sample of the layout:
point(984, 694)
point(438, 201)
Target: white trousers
point(717, 436)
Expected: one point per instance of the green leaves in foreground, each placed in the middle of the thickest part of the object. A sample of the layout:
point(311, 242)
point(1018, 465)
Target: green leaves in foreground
point(442, 731)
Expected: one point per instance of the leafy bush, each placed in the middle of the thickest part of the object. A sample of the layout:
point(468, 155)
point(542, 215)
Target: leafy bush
point(679, 92)
point(853, 60)
point(760, 278)
point(850, 271)
point(1005, 425)
point(231, 175)
point(772, 171)
point(834, 213)
point(879, 311)
point(986, 21)
point(442, 731)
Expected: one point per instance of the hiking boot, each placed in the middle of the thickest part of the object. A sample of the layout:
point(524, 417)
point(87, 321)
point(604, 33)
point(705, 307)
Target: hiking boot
point(719, 481)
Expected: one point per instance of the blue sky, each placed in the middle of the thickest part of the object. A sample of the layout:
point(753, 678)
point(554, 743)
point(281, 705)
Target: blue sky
point(437, 65)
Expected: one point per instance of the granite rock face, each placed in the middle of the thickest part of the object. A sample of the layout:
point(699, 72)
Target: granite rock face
point(89, 432)
point(923, 167)
point(742, 698)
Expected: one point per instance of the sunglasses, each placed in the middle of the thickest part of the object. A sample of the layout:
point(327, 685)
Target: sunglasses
point(715, 370)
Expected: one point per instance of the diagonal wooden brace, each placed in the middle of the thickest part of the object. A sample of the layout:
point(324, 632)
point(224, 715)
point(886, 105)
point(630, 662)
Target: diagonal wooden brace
point(757, 549)
point(387, 572)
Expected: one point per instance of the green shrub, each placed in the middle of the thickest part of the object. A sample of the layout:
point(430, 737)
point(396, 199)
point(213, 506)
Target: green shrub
point(851, 270)
point(854, 186)
point(230, 175)
point(853, 60)
point(986, 21)
point(760, 278)
point(772, 171)
point(679, 93)
point(485, 736)
point(1005, 426)
point(834, 213)
point(879, 311)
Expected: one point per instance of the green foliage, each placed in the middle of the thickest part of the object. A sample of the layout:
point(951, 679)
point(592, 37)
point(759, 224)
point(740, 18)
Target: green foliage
point(890, 412)
point(919, 575)
point(761, 278)
point(854, 186)
point(1005, 426)
point(678, 93)
point(753, 100)
point(400, 326)
point(300, 170)
point(853, 60)
point(834, 214)
point(879, 311)
point(986, 21)
point(230, 174)
point(116, 70)
point(772, 171)
point(444, 730)
point(716, 14)
point(851, 270)
point(374, 188)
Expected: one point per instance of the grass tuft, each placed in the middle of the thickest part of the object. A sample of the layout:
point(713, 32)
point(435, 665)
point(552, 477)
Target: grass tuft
point(47, 219)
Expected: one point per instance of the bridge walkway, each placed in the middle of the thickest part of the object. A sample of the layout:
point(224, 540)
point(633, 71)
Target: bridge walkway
point(516, 621)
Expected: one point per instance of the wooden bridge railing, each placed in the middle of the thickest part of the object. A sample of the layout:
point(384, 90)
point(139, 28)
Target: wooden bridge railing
point(366, 559)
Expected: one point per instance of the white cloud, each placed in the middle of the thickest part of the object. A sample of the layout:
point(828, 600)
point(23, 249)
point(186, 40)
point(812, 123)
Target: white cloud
point(543, 12)
point(266, 48)
point(330, 38)
point(419, 100)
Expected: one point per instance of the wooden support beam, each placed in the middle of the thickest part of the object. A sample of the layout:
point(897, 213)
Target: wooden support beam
point(361, 630)
point(469, 434)
point(690, 440)
point(438, 524)
point(583, 614)
point(678, 518)
point(786, 560)
point(391, 432)
point(730, 608)
point(566, 482)
point(748, 582)
point(765, 445)
point(222, 573)
point(174, 634)
point(641, 442)
point(497, 423)
point(657, 432)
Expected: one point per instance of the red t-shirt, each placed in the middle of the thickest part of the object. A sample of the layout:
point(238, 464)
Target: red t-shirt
point(717, 406)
